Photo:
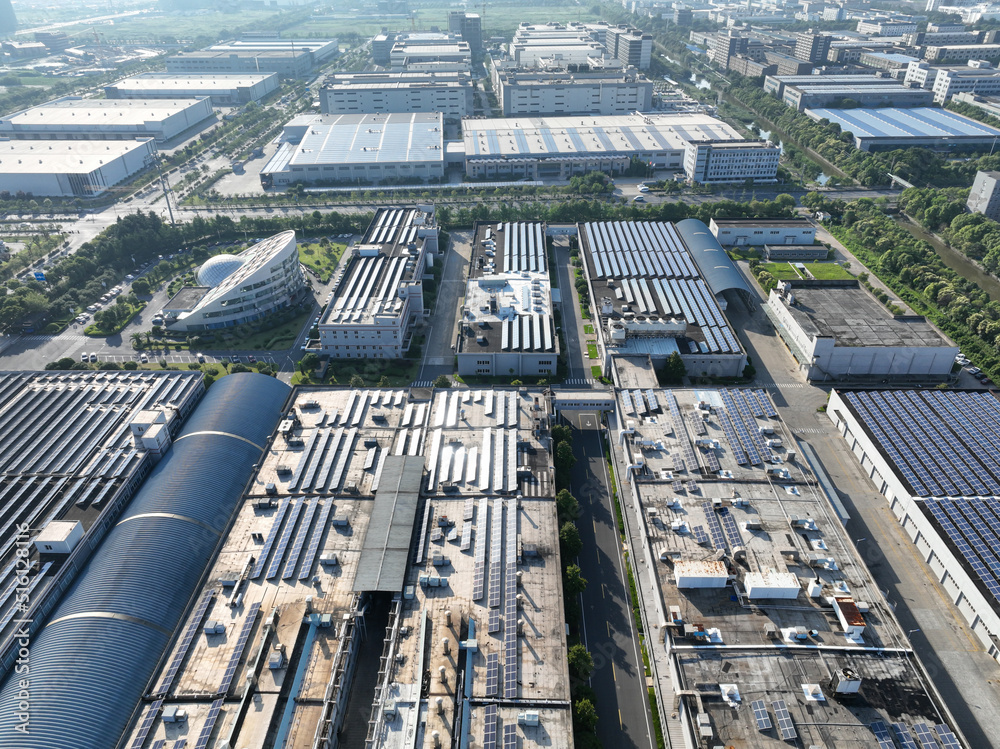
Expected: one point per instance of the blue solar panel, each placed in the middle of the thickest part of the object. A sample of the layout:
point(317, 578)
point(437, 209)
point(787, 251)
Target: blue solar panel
point(510, 736)
point(785, 726)
point(286, 534)
point(271, 538)
point(492, 674)
point(729, 528)
point(479, 570)
point(925, 737)
point(241, 643)
point(158, 744)
point(490, 727)
point(317, 538)
point(699, 535)
point(903, 736)
point(760, 715)
point(714, 527)
point(209, 726)
point(947, 738)
point(300, 539)
point(142, 731)
point(881, 731)
point(167, 680)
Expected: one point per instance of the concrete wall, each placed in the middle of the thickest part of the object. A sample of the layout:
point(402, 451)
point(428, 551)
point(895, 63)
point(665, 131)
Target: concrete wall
point(500, 364)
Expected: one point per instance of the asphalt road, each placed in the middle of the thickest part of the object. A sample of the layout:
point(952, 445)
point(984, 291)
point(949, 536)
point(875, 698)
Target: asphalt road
point(577, 371)
point(618, 679)
point(442, 328)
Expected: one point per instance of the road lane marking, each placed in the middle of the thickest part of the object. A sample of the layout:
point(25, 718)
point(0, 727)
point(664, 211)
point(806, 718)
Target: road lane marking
point(614, 673)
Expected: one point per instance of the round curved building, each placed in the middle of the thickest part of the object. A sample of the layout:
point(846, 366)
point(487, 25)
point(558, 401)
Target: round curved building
point(237, 289)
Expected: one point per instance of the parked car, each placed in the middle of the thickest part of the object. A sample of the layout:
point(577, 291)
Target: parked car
point(201, 358)
point(234, 359)
point(638, 199)
point(252, 359)
point(974, 371)
point(144, 359)
point(84, 356)
point(93, 357)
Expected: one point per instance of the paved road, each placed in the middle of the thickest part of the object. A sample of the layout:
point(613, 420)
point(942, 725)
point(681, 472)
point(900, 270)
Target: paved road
point(442, 328)
point(578, 370)
point(618, 679)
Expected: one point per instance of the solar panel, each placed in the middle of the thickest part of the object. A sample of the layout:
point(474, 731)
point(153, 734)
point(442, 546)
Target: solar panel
point(241, 643)
point(496, 549)
point(699, 535)
point(925, 737)
point(510, 737)
point(206, 730)
point(492, 674)
point(760, 715)
point(314, 542)
point(494, 623)
point(479, 570)
point(510, 606)
point(691, 486)
point(714, 527)
point(903, 736)
point(948, 739)
point(145, 724)
point(881, 731)
point(167, 680)
point(180, 743)
point(271, 537)
point(159, 744)
point(300, 541)
point(490, 727)
point(785, 726)
point(286, 535)
point(730, 529)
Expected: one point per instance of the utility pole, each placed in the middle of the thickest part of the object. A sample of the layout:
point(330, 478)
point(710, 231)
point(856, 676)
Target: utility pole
point(163, 183)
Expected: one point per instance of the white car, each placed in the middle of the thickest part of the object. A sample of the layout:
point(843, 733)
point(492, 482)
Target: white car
point(84, 357)
point(643, 189)
point(144, 359)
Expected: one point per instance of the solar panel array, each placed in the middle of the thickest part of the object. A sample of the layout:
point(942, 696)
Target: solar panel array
point(286, 535)
point(941, 444)
point(145, 724)
point(300, 541)
point(881, 731)
point(785, 726)
point(479, 568)
point(714, 527)
point(903, 736)
point(948, 739)
point(760, 715)
point(510, 606)
point(654, 274)
point(272, 536)
point(490, 727)
point(925, 737)
point(317, 537)
point(510, 736)
point(748, 439)
point(492, 674)
point(699, 535)
point(241, 644)
point(496, 554)
point(209, 726)
point(680, 433)
point(730, 529)
point(167, 680)
point(523, 247)
point(158, 744)
point(968, 525)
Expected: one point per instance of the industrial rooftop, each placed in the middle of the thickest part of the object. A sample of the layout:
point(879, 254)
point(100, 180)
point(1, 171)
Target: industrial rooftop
point(62, 156)
point(96, 112)
point(776, 629)
point(854, 317)
point(901, 124)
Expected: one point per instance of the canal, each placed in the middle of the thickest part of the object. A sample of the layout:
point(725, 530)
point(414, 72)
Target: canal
point(954, 259)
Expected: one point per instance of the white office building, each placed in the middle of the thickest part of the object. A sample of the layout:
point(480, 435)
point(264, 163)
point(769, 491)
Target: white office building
point(378, 294)
point(560, 92)
point(70, 168)
point(452, 94)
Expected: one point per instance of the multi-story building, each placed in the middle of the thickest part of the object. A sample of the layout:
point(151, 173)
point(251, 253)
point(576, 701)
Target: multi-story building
point(287, 57)
point(775, 84)
point(469, 27)
point(752, 232)
point(787, 65)
point(412, 51)
point(940, 38)
point(892, 62)
point(989, 104)
point(632, 46)
point(812, 47)
point(751, 68)
point(378, 295)
point(507, 325)
point(984, 80)
point(984, 197)
point(452, 94)
point(962, 53)
point(724, 45)
point(683, 16)
point(804, 96)
point(560, 92)
point(886, 27)
point(726, 162)
point(221, 90)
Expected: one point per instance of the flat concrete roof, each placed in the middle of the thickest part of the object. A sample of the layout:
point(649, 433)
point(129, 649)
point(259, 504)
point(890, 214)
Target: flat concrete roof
point(97, 112)
point(372, 138)
point(855, 318)
point(187, 298)
point(62, 156)
point(193, 81)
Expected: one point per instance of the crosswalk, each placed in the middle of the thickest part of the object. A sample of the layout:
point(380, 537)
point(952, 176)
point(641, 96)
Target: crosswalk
point(39, 338)
point(581, 381)
point(422, 383)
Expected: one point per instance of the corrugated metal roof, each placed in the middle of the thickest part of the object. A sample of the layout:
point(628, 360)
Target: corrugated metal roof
point(91, 663)
point(716, 266)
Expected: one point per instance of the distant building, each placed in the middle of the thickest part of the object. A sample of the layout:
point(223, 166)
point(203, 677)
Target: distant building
point(23, 50)
point(962, 53)
point(989, 104)
point(8, 21)
point(562, 92)
point(888, 61)
point(752, 232)
point(378, 296)
point(983, 80)
point(222, 90)
point(469, 26)
point(890, 128)
point(788, 65)
point(54, 41)
point(452, 94)
point(984, 197)
point(70, 168)
point(632, 46)
point(812, 47)
point(237, 289)
point(886, 28)
point(287, 57)
point(683, 16)
point(724, 45)
point(805, 96)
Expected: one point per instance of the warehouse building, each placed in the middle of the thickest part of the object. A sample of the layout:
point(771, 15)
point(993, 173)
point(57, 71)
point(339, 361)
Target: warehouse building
point(775, 84)
point(890, 128)
point(757, 232)
point(220, 90)
point(989, 104)
point(560, 92)
point(507, 325)
point(391, 572)
point(353, 148)
point(732, 520)
point(962, 53)
point(71, 168)
point(929, 453)
point(378, 295)
point(289, 58)
point(804, 96)
point(668, 298)
point(74, 118)
point(706, 149)
point(842, 333)
point(101, 642)
point(236, 289)
point(414, 51)
point(452, 94)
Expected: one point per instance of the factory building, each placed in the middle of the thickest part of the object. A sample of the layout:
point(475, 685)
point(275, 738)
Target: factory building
point(236, 289)
point(74, 118)
point(984, 197)
point(891, 128)
point(391, 571)
point(507, 325)
point(838, 331)
point(706, 149)
point(221, 90)
point(775, 84)
point(560, 92)
point(452, 94)
point(378, 296)
point(983, 79)
point(469, 26)
point(289, 58)
point(731, 515)
point(414, 51)
point(354, 148)
point(112, 613)
point(962, 53)
point(71, 168)
point(669, 298)
point(893, 63)
point(929, 453)
point(757, 232)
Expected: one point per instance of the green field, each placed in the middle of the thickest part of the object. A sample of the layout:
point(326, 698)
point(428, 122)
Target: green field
point(591, 351)
point(180, 27)
point(588, 329)
point(818, 271)
point(321, 258)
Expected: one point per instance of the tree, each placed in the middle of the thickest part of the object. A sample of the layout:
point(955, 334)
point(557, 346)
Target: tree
point(569, 540)
point(581, 663)
point(562, 433)
point(130, 366)
point(357, 381)
point(137, 339)
point(567, 506)
point(564, 462)
point(573, 582)
point(140, 286)
point(585, 715)
point(309, 363)
point(383, 382)
point(674, 369)
point(442, 381)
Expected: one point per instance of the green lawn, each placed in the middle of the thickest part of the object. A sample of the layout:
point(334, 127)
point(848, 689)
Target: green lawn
point(398, 372)
point(828, 271)
point(781, 271)
point(93, 330)
point(588, 329)
point(597, 372)
point(591, 350)
point(320, 258)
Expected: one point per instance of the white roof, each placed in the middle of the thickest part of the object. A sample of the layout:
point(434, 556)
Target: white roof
point(62, 156)
point(97, 112)
point(193, 81)
point(371, 138)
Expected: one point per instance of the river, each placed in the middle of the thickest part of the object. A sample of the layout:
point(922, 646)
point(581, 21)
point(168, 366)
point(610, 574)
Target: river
point(821, 179)
point(955, 259)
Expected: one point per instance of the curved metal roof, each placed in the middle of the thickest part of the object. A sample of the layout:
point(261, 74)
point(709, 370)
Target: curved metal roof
point(715, 265)
point(92, 661)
